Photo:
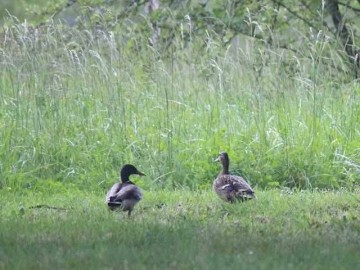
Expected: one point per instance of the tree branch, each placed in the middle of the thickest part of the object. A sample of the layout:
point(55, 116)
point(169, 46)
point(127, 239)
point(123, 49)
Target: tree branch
point(350, 7)
point(295, 14)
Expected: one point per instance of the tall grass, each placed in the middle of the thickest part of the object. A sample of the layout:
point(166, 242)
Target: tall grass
point(76, 105)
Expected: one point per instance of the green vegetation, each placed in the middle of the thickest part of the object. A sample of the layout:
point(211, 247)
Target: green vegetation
point(79, 101)
point(181, 230)
point(75, 106)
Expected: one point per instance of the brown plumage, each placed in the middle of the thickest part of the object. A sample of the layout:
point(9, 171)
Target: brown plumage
point(125, 194)
point(231, 188)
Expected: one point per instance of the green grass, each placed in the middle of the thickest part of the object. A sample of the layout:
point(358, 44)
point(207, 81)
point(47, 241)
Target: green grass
point(75, 106)
point(181, 230)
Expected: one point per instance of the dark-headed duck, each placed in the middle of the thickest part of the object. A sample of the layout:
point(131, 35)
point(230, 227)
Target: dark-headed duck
point(125, 194)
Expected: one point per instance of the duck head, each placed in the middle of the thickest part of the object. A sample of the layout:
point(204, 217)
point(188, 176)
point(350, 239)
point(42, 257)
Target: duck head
point(224, 160)
point(128, 170)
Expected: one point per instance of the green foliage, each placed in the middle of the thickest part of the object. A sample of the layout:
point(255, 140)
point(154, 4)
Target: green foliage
point(78, 102)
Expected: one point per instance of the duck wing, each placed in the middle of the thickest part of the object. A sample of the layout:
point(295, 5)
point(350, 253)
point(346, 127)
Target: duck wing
point(129, 192)
point(232, 187)
point(113, 191)
point(239, 184)
point(124, 191)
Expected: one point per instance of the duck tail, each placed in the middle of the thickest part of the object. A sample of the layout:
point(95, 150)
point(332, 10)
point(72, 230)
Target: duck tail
point(114, 204)
point(246, 193)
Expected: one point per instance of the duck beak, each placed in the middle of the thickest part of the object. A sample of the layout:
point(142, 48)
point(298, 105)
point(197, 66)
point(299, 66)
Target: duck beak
point(140, 173)
point(217, 159)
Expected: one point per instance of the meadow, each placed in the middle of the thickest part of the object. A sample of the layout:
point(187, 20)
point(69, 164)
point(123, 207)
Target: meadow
point(76, 105)
point(181, 230)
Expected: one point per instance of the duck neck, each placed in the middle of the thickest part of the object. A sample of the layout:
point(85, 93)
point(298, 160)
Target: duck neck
point(124, 177)
point(225, 168)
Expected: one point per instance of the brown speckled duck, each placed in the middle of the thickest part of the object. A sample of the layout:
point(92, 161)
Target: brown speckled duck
point(231, 188)
point(125, 194)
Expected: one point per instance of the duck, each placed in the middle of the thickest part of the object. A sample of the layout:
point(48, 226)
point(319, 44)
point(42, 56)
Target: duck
point(231, 188)
point(125, 194)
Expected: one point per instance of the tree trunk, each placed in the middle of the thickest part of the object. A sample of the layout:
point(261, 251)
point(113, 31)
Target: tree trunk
point(343, 33)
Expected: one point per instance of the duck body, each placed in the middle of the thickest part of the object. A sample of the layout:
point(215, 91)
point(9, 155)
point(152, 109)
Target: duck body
point(231, 188)
point(124, 195)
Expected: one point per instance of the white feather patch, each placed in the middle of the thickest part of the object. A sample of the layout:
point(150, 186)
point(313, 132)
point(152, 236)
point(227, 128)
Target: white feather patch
point(225, 186)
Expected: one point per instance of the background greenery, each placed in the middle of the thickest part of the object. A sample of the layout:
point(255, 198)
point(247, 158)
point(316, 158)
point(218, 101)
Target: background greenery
point(168, 89)
point(87, 86)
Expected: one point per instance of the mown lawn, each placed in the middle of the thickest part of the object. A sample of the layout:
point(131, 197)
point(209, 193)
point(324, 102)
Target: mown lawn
point(181, 230)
